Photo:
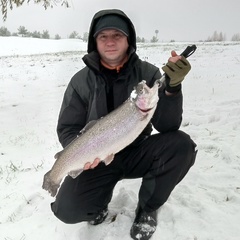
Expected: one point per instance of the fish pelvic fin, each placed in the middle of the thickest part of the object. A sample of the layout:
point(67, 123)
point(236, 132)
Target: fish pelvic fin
point(49, 185)
point(108, 159)
point(75, 173)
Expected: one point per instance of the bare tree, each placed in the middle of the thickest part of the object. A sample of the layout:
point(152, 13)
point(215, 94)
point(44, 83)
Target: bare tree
point(236, 37)
point(217, 37)
point(85, 37)
point(6, 4)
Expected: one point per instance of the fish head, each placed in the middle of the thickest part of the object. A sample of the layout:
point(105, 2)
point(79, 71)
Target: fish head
point(144, 97)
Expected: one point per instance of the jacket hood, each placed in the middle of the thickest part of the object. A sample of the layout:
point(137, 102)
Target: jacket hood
point(98, 15)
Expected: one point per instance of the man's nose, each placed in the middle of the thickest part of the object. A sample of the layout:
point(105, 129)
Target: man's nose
point(110, 40)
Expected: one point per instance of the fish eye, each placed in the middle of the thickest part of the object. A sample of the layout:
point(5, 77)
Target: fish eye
point(139, 89)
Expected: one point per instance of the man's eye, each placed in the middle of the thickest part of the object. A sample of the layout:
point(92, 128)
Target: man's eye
point(102, 37)
point(117, 35)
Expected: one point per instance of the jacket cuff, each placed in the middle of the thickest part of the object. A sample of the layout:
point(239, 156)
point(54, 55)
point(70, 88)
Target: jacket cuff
point(173, 89)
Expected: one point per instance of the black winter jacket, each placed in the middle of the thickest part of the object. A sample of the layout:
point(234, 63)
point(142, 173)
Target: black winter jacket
point(86, 97)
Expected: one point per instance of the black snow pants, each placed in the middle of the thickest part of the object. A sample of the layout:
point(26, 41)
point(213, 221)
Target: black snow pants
point(162, 160)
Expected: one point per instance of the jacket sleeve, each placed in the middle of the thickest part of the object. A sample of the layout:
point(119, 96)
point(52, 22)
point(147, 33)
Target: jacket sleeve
point(72, 116)
point(168, 114)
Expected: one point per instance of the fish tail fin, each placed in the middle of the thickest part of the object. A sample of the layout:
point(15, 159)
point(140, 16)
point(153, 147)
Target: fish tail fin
point(49, 185)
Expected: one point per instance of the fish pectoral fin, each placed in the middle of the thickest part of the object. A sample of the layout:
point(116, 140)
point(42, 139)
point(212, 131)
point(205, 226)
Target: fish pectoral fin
point(57, 155)
point(108, 159)
point(75, 173)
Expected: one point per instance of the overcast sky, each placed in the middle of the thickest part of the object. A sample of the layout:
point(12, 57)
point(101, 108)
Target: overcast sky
point(179, 20)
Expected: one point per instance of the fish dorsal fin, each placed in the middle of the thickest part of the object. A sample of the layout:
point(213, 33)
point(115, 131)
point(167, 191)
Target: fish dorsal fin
point(58, 154)
point(88, 126)
point(75, 173)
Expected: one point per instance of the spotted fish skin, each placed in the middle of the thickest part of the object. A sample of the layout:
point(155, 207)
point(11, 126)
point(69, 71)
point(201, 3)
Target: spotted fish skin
point(106, 137)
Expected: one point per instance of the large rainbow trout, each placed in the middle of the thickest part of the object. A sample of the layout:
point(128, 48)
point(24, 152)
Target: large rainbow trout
point(105, 137)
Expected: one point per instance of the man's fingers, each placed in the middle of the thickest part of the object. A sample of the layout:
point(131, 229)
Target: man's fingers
point(173, 53)
point(87, 166)
point(174, 58)
point(95, 163)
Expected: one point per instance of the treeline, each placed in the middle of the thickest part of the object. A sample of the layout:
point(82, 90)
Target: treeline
point(23, 32)
point(219, 37)
point(216, 37)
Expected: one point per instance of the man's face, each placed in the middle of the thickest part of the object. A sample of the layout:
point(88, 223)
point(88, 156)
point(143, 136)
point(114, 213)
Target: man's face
point(112, 46)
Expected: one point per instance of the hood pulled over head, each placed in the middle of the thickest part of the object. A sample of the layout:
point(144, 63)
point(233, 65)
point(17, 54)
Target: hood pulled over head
point(111, 19)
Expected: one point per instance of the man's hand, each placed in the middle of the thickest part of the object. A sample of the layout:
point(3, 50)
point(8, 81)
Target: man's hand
point(176, 69)
point(89, 165)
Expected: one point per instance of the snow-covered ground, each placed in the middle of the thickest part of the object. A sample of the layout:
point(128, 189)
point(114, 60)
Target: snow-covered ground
point(204, 206)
